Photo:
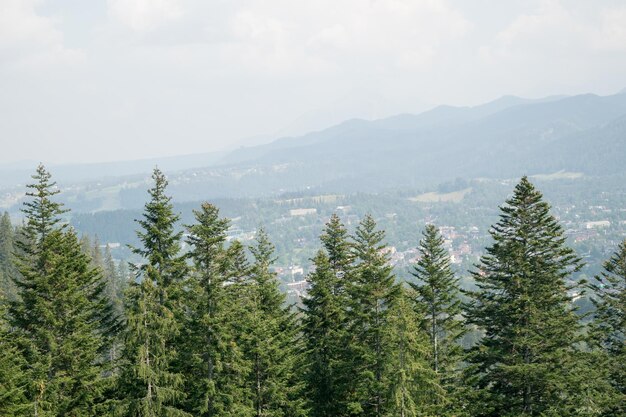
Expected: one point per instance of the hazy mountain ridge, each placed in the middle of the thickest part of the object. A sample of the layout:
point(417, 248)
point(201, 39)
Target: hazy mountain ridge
point(506, 138)
point(507, 142)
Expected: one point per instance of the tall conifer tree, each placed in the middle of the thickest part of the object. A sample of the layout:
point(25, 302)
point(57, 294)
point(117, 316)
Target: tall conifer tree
point(338, 249)
point(373, 293)
point(323, 333)
point(412, 381)
point(609, 328)
point(7, 261)
point(525, 364)
point(61, 315)
point(439, 306)
point(272, 344)
point(324, 322)
point(213, 360)
point(150, 386)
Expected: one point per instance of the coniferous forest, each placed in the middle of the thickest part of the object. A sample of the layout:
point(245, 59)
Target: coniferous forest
point(199, 327)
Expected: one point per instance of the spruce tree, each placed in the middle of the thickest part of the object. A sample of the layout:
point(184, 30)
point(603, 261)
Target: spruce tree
point(213, 361)
point(115, 281)
point(13, 372)
point(61, 316)
point(526, 362)
point(412, 381)
point(338, 249)
point(150, 386)
point(324, 323)
point(609, 326)
point(439, 307)
point(322, 328)
point(7, 262)
point(272, 345)
point(373, 293)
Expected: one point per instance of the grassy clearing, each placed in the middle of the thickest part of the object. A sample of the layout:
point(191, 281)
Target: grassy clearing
point(560, 175)
point(434, 197)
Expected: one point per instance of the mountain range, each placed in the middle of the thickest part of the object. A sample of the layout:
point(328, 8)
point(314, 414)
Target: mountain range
point(505, 138)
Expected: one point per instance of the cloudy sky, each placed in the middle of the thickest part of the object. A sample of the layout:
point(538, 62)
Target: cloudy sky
point(101, 80)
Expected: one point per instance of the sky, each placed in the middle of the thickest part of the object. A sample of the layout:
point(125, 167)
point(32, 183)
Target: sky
point(105, 80)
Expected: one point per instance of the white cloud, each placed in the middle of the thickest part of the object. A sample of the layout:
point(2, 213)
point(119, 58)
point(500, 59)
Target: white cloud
point(404, 34)
point(145, 15)
point(554, 30)
point(141, 73)
point(612, 35)
point(21, 27)
point(30, 41)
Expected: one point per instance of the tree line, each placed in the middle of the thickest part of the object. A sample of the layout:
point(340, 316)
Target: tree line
point(207, 332)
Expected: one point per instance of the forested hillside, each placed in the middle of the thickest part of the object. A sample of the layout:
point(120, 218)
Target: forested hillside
point(196, 325)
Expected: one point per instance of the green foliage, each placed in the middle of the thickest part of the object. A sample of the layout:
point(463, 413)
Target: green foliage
point(205, 333)
point(412, 382)
point(439, 310)
point(609, 327)
point(324, 333)
point(13, 373)
point(61, 317)
point(149, 383)
point(212, 359)
point(527, 362)
point(7, 264)
point(324, 323)
point(373, 293)
point(271, 343)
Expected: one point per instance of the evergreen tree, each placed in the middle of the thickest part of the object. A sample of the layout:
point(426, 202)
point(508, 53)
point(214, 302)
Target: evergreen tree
point(438, 304)
point(7, 263)
point(272, 344)
point(526, 363)
point(609, 329)
point(324, 323)
point(411, 378)
point(61, 316)
point(373, 294)
point(13, 374)
point(96, 253)
point(323, 332)
point(149, 383)
point(338, 250)
point(115, 281)
point(87, 246)
point(214, 363)
point(114, 293)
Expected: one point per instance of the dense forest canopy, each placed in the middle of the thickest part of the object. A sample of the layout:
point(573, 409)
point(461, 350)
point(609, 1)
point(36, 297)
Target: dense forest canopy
point(197, 324)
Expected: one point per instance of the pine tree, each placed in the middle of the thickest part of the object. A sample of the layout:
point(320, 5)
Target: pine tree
point(411, 377)
point(214, 363)
point(61, 316)
point(609, 329)
point(438, 304)
point(526, 363)
point(272, 344)
point(149, 383)
point(373, 294)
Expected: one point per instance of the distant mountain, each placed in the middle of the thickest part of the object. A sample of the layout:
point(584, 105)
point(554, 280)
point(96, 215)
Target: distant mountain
point(19, 173)
point(506, 138)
